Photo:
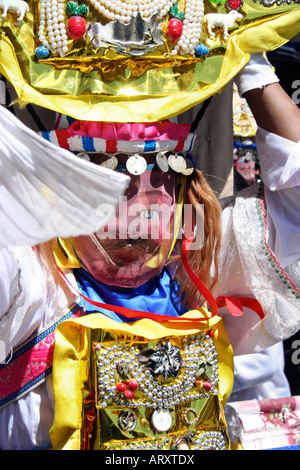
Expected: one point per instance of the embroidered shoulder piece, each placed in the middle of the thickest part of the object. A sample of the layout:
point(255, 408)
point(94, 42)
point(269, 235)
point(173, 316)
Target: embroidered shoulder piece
point(31, 364)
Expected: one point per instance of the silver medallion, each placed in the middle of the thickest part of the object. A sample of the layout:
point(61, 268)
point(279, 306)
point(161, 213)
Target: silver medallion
point(162, 162)
point(177, 163)
point(162, 420)
point(189, 168)
point(111, 163)
point(127, 421)
point(136, 164)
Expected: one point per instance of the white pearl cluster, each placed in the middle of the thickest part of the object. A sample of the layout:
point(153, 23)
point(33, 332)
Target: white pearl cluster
point(123, 10)
point(154, 394)
point(52, 31)
point(192, 28)
point(202, 440)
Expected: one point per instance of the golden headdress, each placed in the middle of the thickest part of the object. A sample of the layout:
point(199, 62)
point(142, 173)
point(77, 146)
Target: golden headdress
point(134, 60)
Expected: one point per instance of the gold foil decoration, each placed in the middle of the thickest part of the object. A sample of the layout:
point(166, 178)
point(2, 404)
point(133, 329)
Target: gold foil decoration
point(89, 83)
point(80, 380)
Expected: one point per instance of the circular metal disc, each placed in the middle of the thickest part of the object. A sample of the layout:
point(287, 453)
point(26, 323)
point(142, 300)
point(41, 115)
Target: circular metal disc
point(162, 162)
point(177, 163)
point(162, 420)
point(111, 163)
point(189, 168)
point(127, 421)
point(136, 165)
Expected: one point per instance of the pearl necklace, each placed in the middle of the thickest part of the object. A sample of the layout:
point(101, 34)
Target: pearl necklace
point(123, 10)
point(192, 28)
point(52, 23)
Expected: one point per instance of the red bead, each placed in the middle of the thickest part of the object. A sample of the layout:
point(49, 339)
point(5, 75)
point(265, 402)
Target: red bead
point(234, 4)
point(133, 385)
point(129, 394)
point(207, 386)
point(174, 29)
point(76, 27)
point(211, 333)
point(121, 387)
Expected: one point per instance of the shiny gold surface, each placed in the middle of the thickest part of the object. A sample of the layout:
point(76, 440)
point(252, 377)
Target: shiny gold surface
point(88, 83)
point(82, 420)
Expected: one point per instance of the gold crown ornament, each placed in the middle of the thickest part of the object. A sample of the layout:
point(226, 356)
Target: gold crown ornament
point(139, 60)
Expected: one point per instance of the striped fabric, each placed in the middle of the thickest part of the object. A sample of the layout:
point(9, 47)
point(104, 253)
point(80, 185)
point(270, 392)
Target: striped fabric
point(79, 143)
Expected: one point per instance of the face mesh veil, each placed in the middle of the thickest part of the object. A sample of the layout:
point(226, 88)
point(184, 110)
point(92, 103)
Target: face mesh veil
point(135, 243)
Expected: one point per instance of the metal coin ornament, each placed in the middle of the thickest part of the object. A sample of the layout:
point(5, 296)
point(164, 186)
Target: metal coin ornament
point(127, 421)
point(111, 163)
point(189, 167)
point(136, 164)
point(177, 163)
point(162, 420)
point(162, 162)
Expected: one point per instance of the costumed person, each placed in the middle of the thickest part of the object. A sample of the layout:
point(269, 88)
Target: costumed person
point(260, 375)
point(142, 328)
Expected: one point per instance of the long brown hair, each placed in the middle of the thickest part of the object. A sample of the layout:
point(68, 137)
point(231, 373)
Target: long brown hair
point(204, 260)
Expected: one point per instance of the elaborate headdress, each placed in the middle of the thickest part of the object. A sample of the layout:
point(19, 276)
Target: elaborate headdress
point(134, 61)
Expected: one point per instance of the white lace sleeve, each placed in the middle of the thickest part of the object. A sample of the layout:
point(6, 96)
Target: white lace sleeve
point(261, 250)
point(280, 169)
point(249, 268)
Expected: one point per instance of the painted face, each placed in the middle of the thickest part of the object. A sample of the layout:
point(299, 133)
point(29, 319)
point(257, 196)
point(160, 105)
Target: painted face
point(134, 245)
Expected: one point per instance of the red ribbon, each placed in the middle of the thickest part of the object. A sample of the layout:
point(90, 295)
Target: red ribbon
point(235, 305)
point(200, 286)
point(134, 314)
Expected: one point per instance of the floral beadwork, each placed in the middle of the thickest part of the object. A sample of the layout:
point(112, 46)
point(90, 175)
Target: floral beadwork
point(120, 363)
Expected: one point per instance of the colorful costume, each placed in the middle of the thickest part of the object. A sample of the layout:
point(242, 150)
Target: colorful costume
point(132, 369)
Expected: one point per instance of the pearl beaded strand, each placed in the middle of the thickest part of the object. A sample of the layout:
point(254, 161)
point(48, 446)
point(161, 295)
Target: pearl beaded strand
point(52, 20)
point(192, 28)
point(123, 10)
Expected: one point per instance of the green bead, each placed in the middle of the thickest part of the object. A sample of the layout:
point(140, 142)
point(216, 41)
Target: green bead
point(72, 8)
point(82, 10)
